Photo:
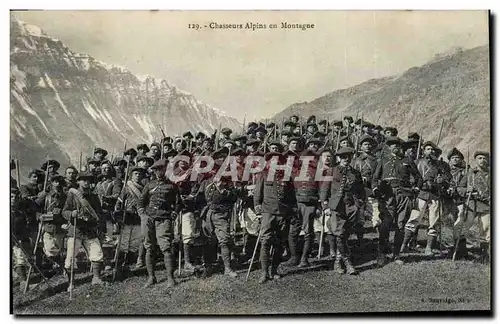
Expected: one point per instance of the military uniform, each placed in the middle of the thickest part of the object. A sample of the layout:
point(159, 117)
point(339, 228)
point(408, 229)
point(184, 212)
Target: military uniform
point(392, 186)
point(216, 218)
point(276, 201)
point(343, 197)
point(158, 206)
point(84, 206)
point(436, 180)
point(21, 235)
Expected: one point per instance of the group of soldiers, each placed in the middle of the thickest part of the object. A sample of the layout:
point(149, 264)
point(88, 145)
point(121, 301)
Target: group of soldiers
point(372, 176)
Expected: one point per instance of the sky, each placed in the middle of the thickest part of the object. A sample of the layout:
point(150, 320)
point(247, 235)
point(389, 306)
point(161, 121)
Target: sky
point(257, 73)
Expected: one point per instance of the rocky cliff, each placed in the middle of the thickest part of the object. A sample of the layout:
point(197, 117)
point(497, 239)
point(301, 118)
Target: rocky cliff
point(64, 102)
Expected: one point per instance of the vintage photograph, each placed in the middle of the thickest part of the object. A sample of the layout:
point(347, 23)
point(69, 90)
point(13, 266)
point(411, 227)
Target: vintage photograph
point(176, 162)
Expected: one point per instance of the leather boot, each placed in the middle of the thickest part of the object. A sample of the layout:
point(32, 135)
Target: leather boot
point(462, 249)
point(140, 257)
point(294, 259)
point(96, 270)
point(188, 266)
point(21, 274)
point(150, 266)
point(304, 262)
point(332, 244)
point(226, 259)
point(169, 266)
point(485, 253)
point(431, 240)
point(406, 241)
point(349, 267)
point(339, 259)
point(264, 262)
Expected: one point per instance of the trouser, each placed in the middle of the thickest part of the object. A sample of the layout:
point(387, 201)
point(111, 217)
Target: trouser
point(306, 213)
point(217, 225)
point(273, 232)
point(20, 259)
point(91, 245)
point(434, 207)
point(53, 242)
point(188, 227)
point(395, 211)
point(456, 212)
point(157, 231)
point(484, 225)
point(371, 211)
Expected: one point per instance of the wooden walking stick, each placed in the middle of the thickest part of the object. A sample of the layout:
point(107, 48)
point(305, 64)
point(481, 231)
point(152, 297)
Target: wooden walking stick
point(466, 211)
point(180, 241)
point(73, 256)
point(39, 234)
point(254, 252)
point(321, 234)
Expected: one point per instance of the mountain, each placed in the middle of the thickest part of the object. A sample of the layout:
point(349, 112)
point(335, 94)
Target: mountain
point(453, 86)
point(64, 102)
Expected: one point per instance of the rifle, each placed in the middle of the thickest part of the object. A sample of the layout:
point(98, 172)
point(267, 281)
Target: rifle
point(117, 251)
point(73, 256)
point(124, 148)
point(322, 234)
point(419, 145)
point(18, 178)
point(440, 131)
point(161, 142)
point(217, 137)
point(46, 180)
point(466, 204)
point(80, 162)
point(359, 135)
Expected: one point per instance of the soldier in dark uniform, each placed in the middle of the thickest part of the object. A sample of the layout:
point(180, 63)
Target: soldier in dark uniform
point(158, 206)
point(142, 149)
point(180, 145)
point(130, 154)
point(100, 154)
point(275, 200)
point(436, 179)
point(51, 204)
point(289, 126)
point(390, 131)
point(200, 137)
point(310, 130)
point(275, 146)
point(366, 163)
point(260, 133)
point(107, 197)
point(294, 145)
point(323, 126)
point(83, 205)
point(219, 195)
point(392, 187)
point(342, 199)
point(285, 137)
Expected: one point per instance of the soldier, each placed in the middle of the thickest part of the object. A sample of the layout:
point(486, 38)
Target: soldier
point(93, 167)
point(144, 162)
point(294, 145)
point(390, 131)
point(21, 235)
point(344, 141)
point(107, 197)
point(28, 193)
point(307, 198)
point(142, 149)
point(253, 146)
point(207, 146)
point(275, 146)
point(310, 130)
point(297, 131)
point(187, 190)
point(220, 195)
point(260, 133)
point(313, 144)
point(131, 153)
point(289, 126)
point(168, 149)
point(187, 136)
point(84, 205)
point(323, 126)
point(285, 137)
point(377, 134)
point(158, 206)
point(70, 178)
point(155, 152)
point(126, 206)
point(200, 137)
point(294, 119)
point(366, 164)
point(239, 140)
point(435, 182)
point(477, 184)
point(454, 200)
point(275, 200)
point(392, 187)
point(100, 154)
point(180, 145)
point(51, 204)
point(342, 198)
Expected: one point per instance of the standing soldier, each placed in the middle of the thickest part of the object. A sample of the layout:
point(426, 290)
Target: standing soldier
point(130, 154)
point(142, 149)
point(155, 151)
point(366, 164)
point(220, 195)
point(84, 205)
point(104, 190)
point(275, 200)
point(454, 202)
point(478, 184)
point(126, 205)
point(21, 235)
point(159, 203)
point(70, 178)
point(392, 187)
point(435, 183)
point(100, 154)
point(51, 204)
point(342, 199)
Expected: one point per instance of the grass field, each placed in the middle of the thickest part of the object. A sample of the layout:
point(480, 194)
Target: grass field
point(418, 285)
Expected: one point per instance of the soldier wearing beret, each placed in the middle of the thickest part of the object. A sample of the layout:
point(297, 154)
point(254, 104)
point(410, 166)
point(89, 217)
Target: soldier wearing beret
point(51, 205)
point(342, 198)
point(158, 206)
point(289, 126)
point(84, 205)
point(142, 149)
point(392, 187)
point(323, 126)
point(130, 154)
point(105, 190)
point(219, 195)
point(436, 180)
point(477, 184)
point(275, 201)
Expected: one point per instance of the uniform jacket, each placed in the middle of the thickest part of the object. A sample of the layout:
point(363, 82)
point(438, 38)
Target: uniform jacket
point(160, 199)
point(480, 180)
point(429, 170)
point(366, 165)
point(276, 197)
point(128, 201)
point(87, 224)
point(52, 202)
point(393, 173)
point(105, 190)
point(19, 223)
point(307, 191)
point(220, 200)
point(345, 189)
point(459, 192)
